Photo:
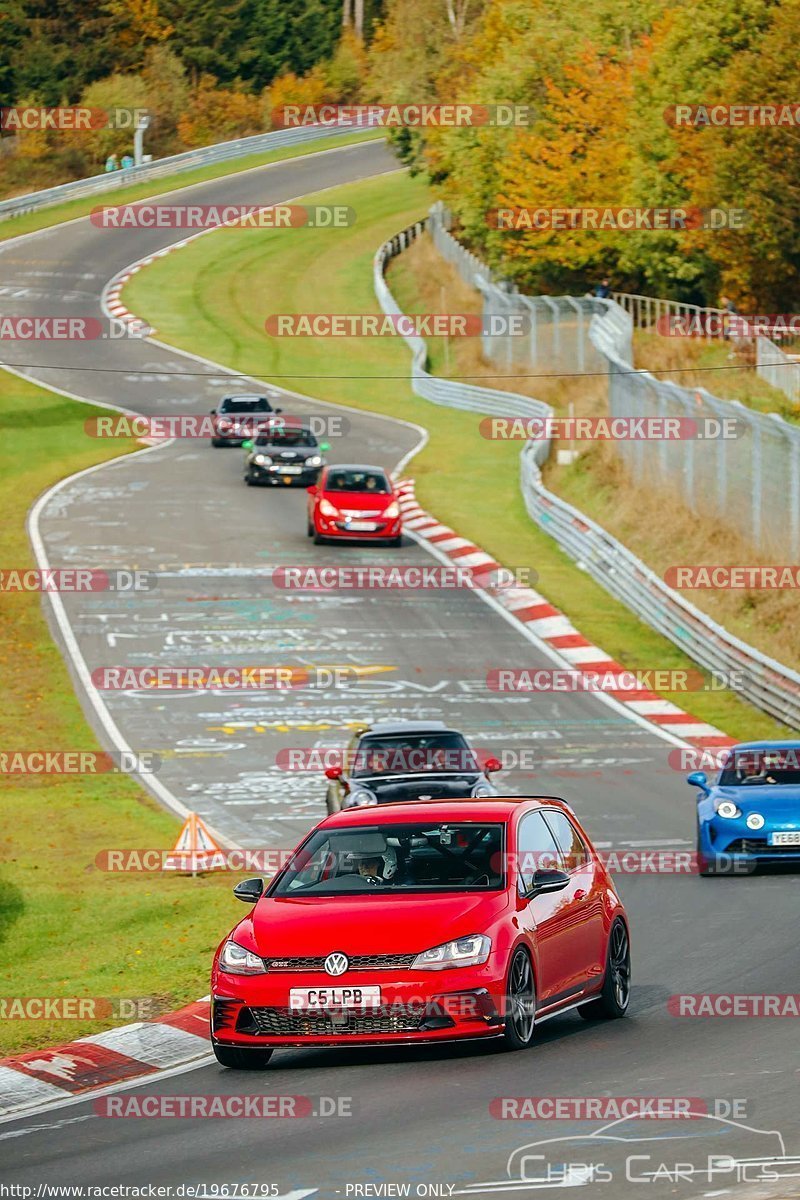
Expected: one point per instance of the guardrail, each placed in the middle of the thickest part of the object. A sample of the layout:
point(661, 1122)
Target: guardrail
point(763, 681)
point(175, 164)
point(778, 368)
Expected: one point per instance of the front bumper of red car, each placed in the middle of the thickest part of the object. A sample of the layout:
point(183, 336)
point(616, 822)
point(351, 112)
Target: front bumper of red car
point(422, 1006)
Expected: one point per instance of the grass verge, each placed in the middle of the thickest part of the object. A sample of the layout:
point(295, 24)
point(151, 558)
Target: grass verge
point(68, 211)
point(213, 298)
point(66, 927)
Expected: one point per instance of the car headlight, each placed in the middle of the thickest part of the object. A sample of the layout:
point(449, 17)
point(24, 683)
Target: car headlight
point(360, 798)
point(726, 808)
point(238, 961)
point(327, 509)
point(392, 511)
point(314, 461)
point(465, 952)
point(755, 821)
point(262, 460)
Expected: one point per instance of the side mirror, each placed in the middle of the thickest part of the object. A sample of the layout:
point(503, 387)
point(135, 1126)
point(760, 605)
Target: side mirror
point(547, 879)
point(333, 772)
point(312, 491)
point(699, 779)
point(213, 412)
point(324, 446)
point(249, 890)
point(277, 410)
point(491, 765)
point(248, 445)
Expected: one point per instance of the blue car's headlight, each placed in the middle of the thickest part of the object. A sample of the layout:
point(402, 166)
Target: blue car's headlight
point(755, 821)
point(726, 808)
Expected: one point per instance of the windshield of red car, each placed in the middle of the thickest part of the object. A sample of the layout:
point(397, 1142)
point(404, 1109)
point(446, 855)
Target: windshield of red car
point(357, 481)
point(421, 856)
point(412, 753)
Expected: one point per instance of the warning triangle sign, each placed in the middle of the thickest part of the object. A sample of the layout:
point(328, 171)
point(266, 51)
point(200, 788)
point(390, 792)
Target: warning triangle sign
point(195, 849)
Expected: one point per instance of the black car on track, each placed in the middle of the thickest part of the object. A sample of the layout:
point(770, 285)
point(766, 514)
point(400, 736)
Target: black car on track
point(284, 454)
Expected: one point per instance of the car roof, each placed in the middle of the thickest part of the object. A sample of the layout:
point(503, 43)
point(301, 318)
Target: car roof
point(245, 396)
point(471, 808)
point(357, 467)
point(390, 727)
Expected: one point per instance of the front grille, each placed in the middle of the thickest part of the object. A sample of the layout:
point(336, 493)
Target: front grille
point(283, 1022)
point(758, 846)
point(359, 962)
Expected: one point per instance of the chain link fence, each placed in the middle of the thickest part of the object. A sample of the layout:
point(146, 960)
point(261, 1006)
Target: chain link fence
point(763, 681)
point(749, 481)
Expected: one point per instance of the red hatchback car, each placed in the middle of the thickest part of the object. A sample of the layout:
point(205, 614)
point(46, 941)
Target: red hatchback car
point(428, 922)
point(354, 502)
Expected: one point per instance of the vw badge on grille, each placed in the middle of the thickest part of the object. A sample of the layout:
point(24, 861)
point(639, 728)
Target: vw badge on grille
point(336, 964)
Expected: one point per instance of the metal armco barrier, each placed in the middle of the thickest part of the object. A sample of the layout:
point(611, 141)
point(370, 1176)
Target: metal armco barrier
point(765, 683)
point(175, 164)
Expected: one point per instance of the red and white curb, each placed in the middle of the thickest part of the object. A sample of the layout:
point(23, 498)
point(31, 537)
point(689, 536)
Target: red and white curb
point(551, 626)
point(116, 309)
point(43, 1078)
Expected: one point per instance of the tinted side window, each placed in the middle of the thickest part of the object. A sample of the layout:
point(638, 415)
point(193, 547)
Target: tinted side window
point(536, 849)
point(570, 842)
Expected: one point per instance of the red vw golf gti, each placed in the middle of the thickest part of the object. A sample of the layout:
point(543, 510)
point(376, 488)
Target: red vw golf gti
point(357, 503)
point(424, 922)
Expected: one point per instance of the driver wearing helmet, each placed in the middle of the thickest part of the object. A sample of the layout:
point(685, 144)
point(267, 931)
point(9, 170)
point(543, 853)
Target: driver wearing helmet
point(378, 868)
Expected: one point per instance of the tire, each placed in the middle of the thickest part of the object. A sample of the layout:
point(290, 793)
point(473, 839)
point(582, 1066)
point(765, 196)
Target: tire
point(216, 443)
point(398, 541)
point(613, 1001)
point(520, 1002)
point(241, 1058)
point(250, 482)
point(309, 529)
point(318, 539)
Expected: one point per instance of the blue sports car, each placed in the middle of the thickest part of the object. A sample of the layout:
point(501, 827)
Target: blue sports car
point(750, 816)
